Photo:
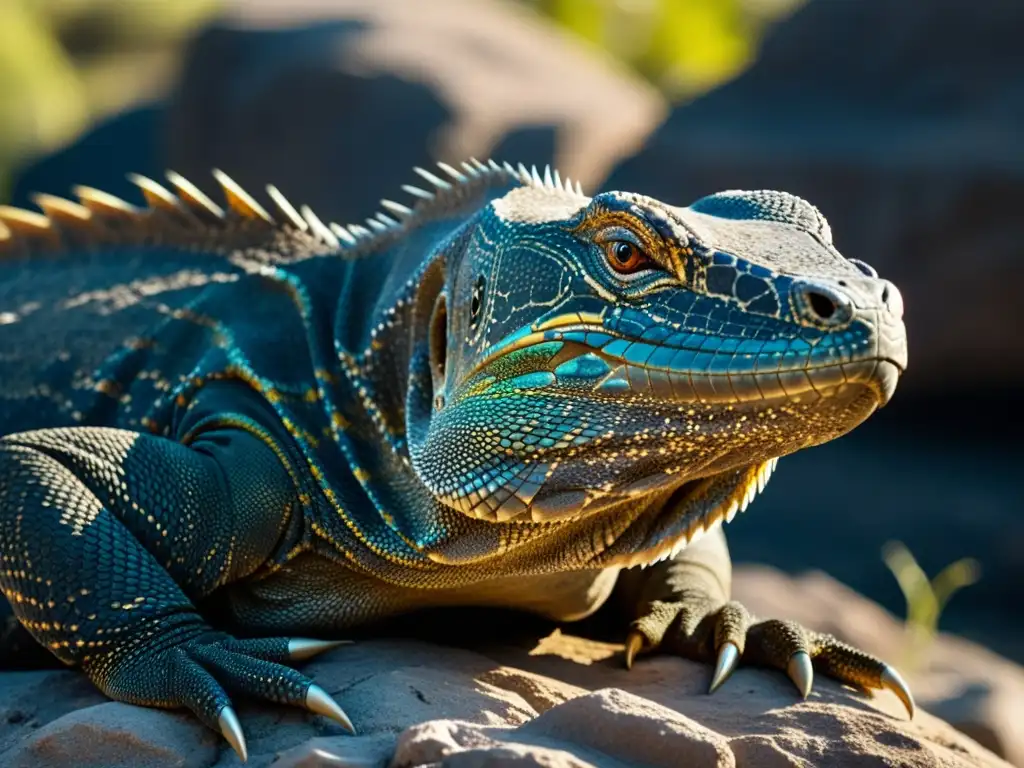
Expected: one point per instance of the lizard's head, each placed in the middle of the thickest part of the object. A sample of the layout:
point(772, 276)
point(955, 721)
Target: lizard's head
point(592, 356)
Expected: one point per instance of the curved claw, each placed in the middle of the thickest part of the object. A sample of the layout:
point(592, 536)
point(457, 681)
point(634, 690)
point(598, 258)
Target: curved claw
point(232, 731)
point(634, 642)
point(301, 648)
point(319, 701)
point(892, 680)
point(728, 658)
point(801, 672)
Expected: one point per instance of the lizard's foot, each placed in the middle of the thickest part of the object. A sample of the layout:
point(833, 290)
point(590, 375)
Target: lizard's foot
point(197, 673)
point(695, 628)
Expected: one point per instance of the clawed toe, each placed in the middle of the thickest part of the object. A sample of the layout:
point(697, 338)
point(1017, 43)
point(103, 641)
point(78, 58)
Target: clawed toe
point(801, 672)
point(634, 642)
point(300, 648)
point(232, 731)
point(319, 701)
point(728, 659)
point(688, 629)
point(892, 680)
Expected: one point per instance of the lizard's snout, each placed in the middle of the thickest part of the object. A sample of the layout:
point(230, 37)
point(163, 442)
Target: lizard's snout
point(871, 303)
point(880, 305)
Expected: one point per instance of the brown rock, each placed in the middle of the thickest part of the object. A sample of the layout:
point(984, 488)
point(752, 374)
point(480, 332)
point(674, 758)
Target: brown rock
point(975, 690)
point(115, 734)
point(669, 721)
point(506, 706)
point(339, 752)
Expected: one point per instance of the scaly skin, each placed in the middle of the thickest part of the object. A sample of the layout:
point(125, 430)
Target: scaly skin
point(237, 425)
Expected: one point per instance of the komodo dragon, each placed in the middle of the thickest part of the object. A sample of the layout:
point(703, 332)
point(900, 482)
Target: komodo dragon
point(231, 436)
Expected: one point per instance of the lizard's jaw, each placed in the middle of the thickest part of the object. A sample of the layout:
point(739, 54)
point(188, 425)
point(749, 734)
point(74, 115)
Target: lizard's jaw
point(693, 510)
point(586, 429)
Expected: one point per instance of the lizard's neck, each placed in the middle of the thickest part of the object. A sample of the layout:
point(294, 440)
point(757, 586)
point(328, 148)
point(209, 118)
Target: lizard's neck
point(380, 395)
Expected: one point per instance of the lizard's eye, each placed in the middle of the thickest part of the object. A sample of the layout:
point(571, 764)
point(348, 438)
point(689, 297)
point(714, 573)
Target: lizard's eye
point(625, 257)
point(476, 302)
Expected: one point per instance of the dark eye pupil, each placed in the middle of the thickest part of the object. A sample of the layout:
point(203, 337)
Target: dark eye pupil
point(624, 252)
point(476, 302)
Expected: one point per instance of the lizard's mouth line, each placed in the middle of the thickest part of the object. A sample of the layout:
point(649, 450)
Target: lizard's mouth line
point(693, 510)
point(691, 375)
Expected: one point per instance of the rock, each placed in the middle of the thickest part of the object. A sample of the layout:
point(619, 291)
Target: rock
point(913, 155)
point(115, 734)
point(341, 751)
point(603, 728)
point(334, 101)
point(975, 690)
point(554, 701)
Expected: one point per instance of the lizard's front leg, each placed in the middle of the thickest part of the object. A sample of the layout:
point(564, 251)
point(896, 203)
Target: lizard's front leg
point(106, 538)
point(682, 606)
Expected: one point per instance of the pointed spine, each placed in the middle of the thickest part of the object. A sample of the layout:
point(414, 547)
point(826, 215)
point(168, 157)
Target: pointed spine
point(194, 198)
point(457, 175)
point(28, 225)
point(402, 211)
point(433, 179)
point(286, 209)
point(159, 198)
point(343, 234)
point(62, 212)
point(318, 227)
point(105, 205)
point(422, 194)
point(240, 201)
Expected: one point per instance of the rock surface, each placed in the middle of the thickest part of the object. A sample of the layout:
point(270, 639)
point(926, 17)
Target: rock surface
point(560, 702)
point(975, 690)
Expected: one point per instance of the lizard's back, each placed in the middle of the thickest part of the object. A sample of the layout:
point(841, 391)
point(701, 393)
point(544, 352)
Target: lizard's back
point(108, 310)
point(78, 333)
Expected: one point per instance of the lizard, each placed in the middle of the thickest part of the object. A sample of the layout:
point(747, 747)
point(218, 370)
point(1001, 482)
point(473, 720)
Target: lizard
point(232, 433)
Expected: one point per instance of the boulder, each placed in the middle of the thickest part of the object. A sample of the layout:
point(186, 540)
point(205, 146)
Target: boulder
point(977, 691)
point(533, 699)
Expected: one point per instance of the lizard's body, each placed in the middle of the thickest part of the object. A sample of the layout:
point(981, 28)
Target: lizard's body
point(229, 418)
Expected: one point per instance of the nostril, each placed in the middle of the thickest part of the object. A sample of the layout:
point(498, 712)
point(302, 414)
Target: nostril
point(885, 295)
point(823, 306)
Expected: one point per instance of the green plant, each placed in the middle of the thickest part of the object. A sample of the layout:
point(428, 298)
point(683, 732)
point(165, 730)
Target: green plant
point(926, 598)
point(685, 47)
point(66, 63)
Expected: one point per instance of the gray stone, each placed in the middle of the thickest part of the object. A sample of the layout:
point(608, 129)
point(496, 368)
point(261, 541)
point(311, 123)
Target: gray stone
point(556, 701)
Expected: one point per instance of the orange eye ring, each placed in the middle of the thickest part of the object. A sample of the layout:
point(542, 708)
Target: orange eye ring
point(625, 257)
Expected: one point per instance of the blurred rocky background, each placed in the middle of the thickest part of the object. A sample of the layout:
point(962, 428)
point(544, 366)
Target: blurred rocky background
point(902, 120)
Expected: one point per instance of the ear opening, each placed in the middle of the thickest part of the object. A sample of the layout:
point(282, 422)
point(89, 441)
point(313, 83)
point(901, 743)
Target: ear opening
point(439, 348)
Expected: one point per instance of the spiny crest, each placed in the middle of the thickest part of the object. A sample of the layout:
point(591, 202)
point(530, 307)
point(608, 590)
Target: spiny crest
point(186, 217)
